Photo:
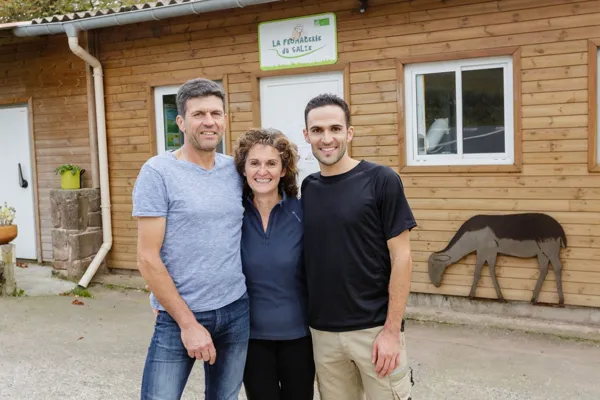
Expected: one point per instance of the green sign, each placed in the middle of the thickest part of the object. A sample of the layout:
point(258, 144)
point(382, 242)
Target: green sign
point(298, 42)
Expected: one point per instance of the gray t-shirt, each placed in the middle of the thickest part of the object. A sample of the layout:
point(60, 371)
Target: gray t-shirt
point(204, 213)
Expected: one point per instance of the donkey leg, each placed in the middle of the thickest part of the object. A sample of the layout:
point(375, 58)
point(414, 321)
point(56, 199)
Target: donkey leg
point(491, 259)
point(479, 264)
point(543, 263)
point(551, 249)
point(557, 266)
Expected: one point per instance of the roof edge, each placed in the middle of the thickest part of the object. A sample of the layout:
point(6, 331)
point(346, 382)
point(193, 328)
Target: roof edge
point(141, 14)
point(12, 25)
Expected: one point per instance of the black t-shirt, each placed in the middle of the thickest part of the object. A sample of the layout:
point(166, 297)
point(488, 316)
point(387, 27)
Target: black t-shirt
point(348, 219)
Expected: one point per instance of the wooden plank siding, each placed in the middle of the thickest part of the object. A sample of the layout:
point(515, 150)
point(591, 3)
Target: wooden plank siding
point(45, 70)
point(552, 41)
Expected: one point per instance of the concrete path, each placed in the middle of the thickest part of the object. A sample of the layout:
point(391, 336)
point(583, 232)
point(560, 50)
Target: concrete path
point(37, 280)
point(51, 349)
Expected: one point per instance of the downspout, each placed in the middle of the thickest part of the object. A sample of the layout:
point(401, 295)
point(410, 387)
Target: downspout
point(93, 135)
point(80, 52)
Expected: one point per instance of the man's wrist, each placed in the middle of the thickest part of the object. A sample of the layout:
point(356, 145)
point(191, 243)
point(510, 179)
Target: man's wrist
point(187, 321)
point(393, 327)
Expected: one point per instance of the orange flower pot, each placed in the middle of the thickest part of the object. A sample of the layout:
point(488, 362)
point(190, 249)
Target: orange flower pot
point(8, 233)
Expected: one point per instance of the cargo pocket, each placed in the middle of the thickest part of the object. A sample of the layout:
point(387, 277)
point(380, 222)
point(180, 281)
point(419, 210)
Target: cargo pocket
point(401, 380)
point(401, 384)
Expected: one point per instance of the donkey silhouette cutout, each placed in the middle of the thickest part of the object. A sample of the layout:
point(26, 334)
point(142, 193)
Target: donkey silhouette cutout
point(524, 235)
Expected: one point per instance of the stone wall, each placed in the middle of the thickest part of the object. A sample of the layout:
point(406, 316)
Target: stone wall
point(77, 230)
point(8, 260)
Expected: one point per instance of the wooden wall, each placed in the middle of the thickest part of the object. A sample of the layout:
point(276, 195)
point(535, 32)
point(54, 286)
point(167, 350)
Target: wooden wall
point(552, 35)
point(44, 70)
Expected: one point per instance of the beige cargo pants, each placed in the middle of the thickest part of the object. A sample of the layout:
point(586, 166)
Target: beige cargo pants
point(345, 371)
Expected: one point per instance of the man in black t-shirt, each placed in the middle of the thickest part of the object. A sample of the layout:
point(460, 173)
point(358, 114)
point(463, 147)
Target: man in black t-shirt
point(358, 263)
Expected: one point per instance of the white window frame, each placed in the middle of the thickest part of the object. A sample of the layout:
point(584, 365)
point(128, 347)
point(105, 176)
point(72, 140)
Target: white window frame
point(159, 92)
point(411, 120)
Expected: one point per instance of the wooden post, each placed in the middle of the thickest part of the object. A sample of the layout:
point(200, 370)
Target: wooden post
point(8, 261)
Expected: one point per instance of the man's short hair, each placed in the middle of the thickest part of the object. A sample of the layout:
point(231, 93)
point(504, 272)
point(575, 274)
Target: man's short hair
point(327, 99)
point(198, 87)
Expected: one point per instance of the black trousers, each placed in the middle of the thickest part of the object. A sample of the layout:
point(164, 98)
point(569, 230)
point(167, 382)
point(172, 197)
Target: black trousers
point(280, 370)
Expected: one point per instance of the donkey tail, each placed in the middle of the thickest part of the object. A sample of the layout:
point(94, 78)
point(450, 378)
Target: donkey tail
point(562, 238)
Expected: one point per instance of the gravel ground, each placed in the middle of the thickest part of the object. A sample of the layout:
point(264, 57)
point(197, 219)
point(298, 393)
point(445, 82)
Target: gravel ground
point(51, 349)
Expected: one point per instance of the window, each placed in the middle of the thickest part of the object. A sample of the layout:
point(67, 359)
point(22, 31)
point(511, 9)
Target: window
point(168, 135)
point(460, 112)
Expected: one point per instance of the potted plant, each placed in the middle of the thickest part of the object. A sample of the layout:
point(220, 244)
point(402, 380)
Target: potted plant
point(70, 176)
point(8, 231)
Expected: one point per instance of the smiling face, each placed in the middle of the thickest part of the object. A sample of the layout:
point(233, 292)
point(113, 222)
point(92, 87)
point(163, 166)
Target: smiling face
point(328, 134)
point(263, 169)
point(204, 122)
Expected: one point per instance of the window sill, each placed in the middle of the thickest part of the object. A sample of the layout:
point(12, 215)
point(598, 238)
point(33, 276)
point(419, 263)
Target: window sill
point(459, 168)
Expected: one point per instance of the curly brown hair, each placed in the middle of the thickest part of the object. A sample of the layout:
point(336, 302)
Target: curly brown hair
point(288, 152)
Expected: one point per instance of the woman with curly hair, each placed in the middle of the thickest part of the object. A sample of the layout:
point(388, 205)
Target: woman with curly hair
point(280, 363)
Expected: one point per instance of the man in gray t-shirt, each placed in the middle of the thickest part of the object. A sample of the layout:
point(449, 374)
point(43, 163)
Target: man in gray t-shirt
point(189, 208)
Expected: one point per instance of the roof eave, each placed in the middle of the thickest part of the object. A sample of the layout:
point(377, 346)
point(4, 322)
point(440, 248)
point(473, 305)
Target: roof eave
point(180, 9)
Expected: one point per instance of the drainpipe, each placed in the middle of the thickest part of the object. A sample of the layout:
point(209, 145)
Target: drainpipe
point(90, 39)
point(80, 52)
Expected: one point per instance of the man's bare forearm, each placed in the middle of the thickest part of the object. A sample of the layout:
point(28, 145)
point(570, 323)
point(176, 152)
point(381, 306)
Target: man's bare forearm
point(399, 290)
point(162, 286)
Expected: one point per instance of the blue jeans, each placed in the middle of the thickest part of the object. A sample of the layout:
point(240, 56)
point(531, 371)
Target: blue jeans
point(168, 365)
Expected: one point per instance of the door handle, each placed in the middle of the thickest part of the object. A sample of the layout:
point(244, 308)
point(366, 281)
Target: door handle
point(22, 182)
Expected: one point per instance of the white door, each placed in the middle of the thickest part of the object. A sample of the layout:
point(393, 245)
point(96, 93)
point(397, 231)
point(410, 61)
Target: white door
point(168, 135)
point(282, 103)
point(16, 184)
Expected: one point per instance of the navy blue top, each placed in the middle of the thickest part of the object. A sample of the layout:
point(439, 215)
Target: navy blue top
point(274, 268)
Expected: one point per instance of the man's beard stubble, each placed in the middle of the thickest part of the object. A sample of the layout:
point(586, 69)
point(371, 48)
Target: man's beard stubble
point(341, 152)
point(195, 140)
